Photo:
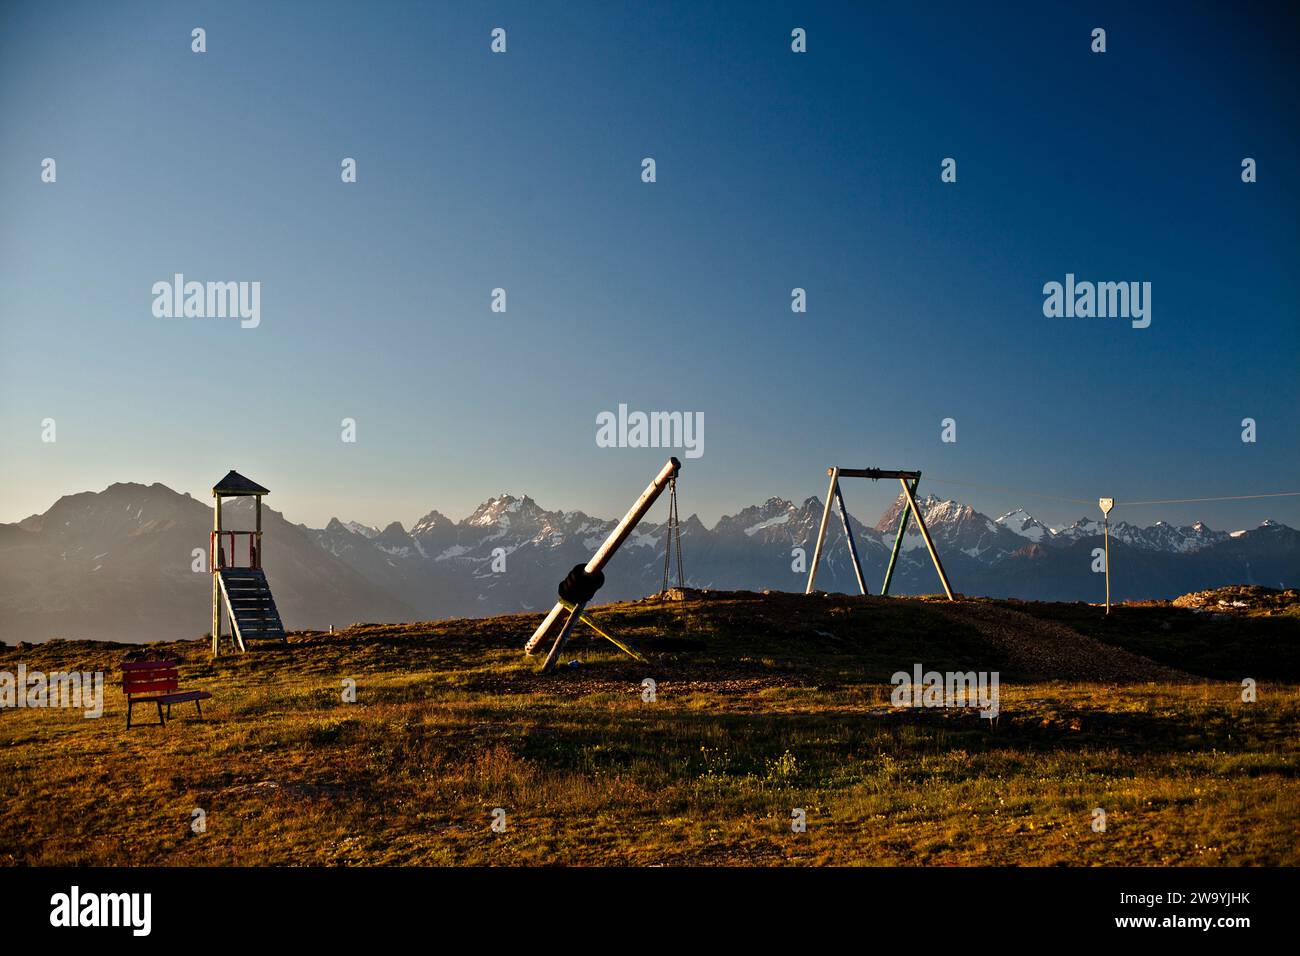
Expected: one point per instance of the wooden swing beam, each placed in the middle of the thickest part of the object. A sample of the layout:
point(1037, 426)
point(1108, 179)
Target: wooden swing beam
point(622, 531)
point(909, 480)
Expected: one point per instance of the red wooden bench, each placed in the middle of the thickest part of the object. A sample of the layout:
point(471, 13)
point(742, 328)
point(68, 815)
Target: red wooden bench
point(156, 682)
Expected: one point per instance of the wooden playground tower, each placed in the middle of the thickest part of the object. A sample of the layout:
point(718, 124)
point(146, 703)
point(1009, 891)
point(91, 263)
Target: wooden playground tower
point(910, 480)
point(241, 590)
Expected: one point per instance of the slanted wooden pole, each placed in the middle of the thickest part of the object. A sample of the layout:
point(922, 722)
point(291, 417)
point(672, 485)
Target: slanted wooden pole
point(848, 534)
point(563, 637)
point(898, 547)
point(821, 531)
point(602, 557)
point(925, 535)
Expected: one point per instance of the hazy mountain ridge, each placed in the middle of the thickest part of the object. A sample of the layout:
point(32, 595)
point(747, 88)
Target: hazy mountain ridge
point(120, 563)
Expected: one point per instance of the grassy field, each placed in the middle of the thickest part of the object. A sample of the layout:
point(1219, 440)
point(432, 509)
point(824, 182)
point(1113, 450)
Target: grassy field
point(764, 704)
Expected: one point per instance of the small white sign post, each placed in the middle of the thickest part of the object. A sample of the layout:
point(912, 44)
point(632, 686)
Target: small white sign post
point(1106, 504)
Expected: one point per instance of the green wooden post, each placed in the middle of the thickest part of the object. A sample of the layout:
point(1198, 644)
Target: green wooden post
point(848, 536)
point(898, 546)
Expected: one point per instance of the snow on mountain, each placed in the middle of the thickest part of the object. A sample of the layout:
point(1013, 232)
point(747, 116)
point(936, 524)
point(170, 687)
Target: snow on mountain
point(1160, 536)
point(954, 527)
point(771, 514)
point(1026, 525)
point(509, 554)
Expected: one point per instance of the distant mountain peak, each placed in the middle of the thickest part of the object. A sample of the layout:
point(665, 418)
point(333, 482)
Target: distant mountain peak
point(1026, 525)
point(936, 511)
point(503, 510)
point(433, 521)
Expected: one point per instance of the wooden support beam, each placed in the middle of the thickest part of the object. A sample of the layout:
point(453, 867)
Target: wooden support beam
point(575, 612)
point(821, 531)
point(213, 551)
point(848, 535)
point(898, 546)
point(925, 535)
point(216, 617)
point(876, 473)
point(236, 635)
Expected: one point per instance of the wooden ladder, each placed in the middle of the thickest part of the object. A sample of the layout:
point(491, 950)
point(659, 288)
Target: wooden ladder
point(253, 615)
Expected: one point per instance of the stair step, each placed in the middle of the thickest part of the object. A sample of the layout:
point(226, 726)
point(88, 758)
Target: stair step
point(249, 601)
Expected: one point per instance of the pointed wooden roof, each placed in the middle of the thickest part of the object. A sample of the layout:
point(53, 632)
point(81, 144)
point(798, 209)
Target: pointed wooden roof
point(235, 484)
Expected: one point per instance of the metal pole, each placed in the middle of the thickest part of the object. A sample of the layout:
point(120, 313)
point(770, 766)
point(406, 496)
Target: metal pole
point(616, 537)
point(1107, 536)
point(1106, 504)
point(821, 531)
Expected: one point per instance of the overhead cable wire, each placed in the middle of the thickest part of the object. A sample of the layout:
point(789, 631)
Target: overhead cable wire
point(1182, 501)
point(1013, 491)
point(1118, 501)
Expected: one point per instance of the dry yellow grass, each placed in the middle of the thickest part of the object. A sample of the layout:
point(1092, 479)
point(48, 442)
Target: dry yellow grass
point(764, 705)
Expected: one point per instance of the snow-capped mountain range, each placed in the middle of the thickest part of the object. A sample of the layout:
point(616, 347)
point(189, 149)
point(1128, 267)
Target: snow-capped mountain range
point(1160, 536)
point(442, 567)
point(119, 563)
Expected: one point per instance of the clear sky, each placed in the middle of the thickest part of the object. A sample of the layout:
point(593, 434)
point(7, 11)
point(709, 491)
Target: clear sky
point(775, 170)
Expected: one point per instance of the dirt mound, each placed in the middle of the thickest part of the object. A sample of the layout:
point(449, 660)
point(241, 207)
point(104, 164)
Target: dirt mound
point(1054, 650)
point(1028, 643)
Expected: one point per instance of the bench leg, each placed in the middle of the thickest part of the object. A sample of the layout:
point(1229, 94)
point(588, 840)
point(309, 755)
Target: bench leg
point(169, 711)
point(128, 715)
point(162, 720)
point(199, 706)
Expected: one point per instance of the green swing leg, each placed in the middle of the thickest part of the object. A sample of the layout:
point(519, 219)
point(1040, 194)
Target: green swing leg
point(898, 544)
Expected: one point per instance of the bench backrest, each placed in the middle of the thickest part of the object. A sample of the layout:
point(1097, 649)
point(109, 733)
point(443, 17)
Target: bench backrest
point(149, 677)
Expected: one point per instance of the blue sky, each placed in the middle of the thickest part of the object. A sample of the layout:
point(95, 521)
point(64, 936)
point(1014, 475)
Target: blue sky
point(522, 171)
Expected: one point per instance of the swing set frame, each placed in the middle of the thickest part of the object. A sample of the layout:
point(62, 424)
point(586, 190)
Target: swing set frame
point(910, 480)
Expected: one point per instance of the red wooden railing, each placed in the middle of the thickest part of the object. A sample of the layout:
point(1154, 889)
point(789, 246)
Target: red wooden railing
point(217, 550)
